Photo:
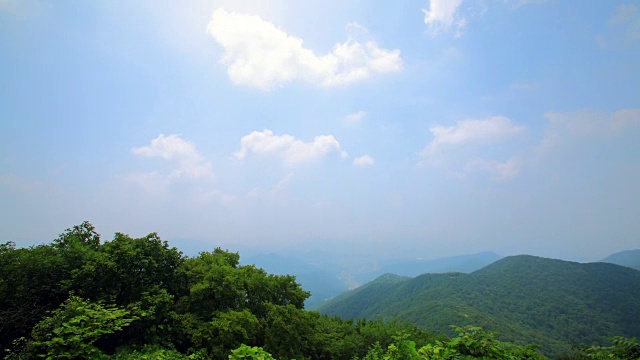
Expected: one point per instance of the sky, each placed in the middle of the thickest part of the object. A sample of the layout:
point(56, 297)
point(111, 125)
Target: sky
point(416, 128)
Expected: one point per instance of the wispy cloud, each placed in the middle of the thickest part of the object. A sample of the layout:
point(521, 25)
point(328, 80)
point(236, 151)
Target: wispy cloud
point(627, 18)
point(260, 55)
point(364, 161)
point(474, 131)
point(443, 15)
point(587, 124)
point(498, 171)
point(469, 147)
point(624, 28)
point(355, 117)
point(291, 150)
point(186, 161)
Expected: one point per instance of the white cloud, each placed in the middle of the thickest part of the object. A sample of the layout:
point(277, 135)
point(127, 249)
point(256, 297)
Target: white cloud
point(355, 117)
point(188, 163)
point(441, 15)
point(291, 150)
point(624, 28)
point(364, 161)
point(259, 54)
point(483, 131)
point(282, 183)
point(627, 17)
point(585, 124)
point(499, 171)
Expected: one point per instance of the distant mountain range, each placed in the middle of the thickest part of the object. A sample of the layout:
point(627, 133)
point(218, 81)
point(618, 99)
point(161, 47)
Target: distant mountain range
point(324, 282)
point(415, 267)
point(524, 298)
point(628, 258)
point(326, 278)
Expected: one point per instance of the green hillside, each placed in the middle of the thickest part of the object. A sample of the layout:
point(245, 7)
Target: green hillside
point(628, 258)
point(80, 297)
point(525, 299)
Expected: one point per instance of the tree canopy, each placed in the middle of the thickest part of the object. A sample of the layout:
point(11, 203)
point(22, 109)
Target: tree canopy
point(80, 297)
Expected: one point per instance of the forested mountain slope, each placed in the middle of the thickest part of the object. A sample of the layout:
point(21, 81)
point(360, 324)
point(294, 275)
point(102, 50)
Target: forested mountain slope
point(524, 298)
point(326, 274)
point(414, 267)
point(628, 258)
point(80, 297)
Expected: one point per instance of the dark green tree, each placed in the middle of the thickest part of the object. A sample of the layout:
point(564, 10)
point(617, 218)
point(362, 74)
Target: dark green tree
point(31, 283)
point(71, 330)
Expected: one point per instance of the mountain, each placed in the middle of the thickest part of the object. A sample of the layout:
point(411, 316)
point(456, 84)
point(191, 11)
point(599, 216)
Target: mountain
point(323, 282)
point(525, 299)
point(326, 275)
point(415, 267)
point(628, 258)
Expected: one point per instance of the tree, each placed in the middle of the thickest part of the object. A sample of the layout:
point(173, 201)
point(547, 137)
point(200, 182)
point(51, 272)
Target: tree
point(71, 330)
point(471, 343)
point(84, 234)
point(289, 332)
point(622, 349)
point(31, 283)
point(250, 353)
point(226, 331)
point(142, 271)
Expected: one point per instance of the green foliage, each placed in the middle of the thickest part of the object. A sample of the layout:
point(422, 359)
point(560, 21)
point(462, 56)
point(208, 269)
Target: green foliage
point(402, 349)
point(133, 267)
point(71, 330)
point(153, 352)
point(524, 299)
point(250, 352)
point(622, 349)
point(226, 331)
point(138, 298)
point(471, 343)
point(30, 285)
point(84, 234)
point(288, 332)
point(376, 352)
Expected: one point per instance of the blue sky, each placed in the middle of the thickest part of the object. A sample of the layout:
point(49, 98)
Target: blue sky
point(408, 128)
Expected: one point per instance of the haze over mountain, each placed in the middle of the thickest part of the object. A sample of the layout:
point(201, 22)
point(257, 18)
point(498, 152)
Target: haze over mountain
point(629, 258)
point(551, 302)
point(323, 282)
point(415, 267)
point(326, 276)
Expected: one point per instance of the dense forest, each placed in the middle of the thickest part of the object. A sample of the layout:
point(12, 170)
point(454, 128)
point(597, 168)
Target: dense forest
point(525, 299)
point(327, 274)
point(129, 298)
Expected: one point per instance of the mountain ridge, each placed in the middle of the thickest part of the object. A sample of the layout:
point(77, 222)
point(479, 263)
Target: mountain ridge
point(628, 258)
point(525, 298)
